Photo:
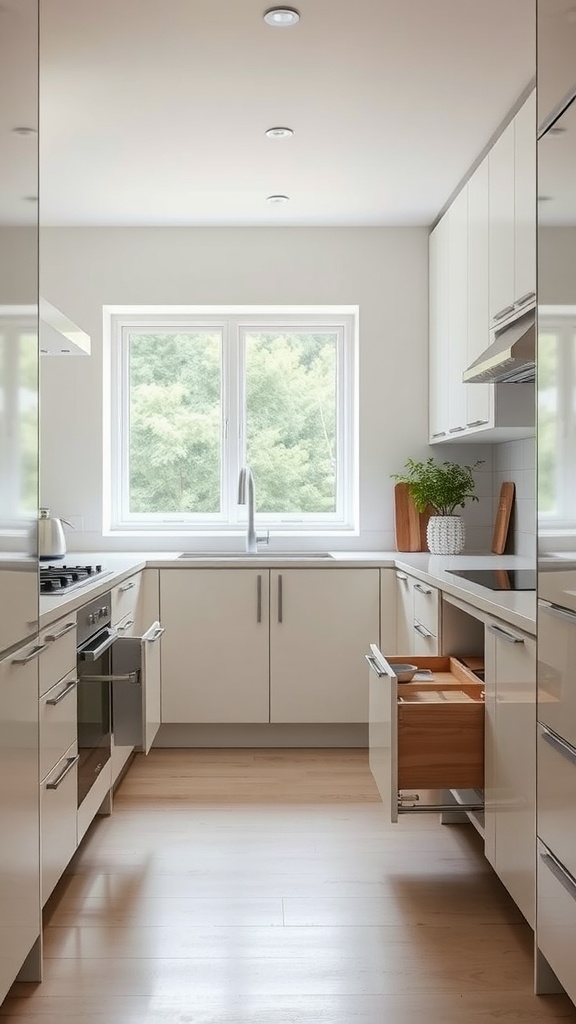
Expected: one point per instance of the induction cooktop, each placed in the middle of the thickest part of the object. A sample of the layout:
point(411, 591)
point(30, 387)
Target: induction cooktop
point(499, 579)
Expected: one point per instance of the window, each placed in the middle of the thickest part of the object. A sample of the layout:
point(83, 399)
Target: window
point(18, 419)
point(196, 394)
point(556, 418)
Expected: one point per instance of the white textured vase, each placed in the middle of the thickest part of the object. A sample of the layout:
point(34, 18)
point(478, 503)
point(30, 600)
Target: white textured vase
point(445, 535)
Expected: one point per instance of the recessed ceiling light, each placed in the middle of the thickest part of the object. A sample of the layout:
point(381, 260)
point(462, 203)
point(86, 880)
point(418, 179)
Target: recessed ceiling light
point(279, 133)
point(282, 17)
point(277, 199)
point(21, 130)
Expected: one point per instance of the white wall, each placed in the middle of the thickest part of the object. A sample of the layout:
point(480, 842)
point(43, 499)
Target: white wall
point(383, 270)
point(516, 461)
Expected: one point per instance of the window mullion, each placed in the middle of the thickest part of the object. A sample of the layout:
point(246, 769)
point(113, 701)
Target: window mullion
point(234, 450)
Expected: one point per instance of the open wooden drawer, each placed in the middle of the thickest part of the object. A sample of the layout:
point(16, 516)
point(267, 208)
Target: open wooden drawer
point(426, 735)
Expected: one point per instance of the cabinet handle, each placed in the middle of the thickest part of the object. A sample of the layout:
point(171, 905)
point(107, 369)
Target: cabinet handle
point(157, 635)
point(439, 433)
point(127, 586)
point(560, 873)
point(126, 677)
point(509, 637)
point(559, 613)
point(401, 576)
point(280, 599)
point(561, 746)
point(422, 630)
point(524, 299)
point(259, 598)
point(56, 636)
point(456, 430)
point(375, 666)
point(71, 762)
point(34, 653)
point(125, 626)
point(503, 312)
point(421, 589)
point(63, 693)
point(476, 423)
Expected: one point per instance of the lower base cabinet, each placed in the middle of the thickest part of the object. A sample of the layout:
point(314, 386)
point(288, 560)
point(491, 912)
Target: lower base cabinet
point(58, 806)
point(557, 917)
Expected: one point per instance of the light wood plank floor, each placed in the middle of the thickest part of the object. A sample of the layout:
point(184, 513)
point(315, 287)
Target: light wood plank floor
point(265, 887)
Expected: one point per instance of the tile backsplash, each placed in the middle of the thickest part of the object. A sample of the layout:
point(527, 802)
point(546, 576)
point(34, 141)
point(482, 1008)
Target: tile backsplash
point(516, 460)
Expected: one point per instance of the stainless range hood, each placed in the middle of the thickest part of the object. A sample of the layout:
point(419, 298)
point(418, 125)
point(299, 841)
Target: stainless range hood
point(511, 358)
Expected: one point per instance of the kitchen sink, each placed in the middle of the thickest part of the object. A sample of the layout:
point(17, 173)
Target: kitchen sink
point(266, 556)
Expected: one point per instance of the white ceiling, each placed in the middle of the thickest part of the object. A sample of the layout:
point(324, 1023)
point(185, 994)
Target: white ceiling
point(154, 111)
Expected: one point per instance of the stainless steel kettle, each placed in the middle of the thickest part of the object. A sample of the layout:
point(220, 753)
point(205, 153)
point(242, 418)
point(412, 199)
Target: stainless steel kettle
point(51, 539)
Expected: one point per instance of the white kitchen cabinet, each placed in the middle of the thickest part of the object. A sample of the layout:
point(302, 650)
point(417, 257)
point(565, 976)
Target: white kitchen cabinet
point(510, 785)
point(501, 253)
point(479, 397)
point(388, 609)
point(124, 603)
point(417, 616)
point(321, 622)
point(457, 312)
point(524, 196)
point(58, 804)
point(216, 647)
point(439, 254)
point(19, 813)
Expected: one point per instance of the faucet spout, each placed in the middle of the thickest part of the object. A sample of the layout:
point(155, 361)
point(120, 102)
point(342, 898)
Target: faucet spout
point(246, 497)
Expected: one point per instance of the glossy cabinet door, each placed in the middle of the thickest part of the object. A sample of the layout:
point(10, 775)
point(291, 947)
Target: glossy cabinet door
point(19, 812)
point(458, 313)
point(510, 764)
point(501, 239)
point(479, 397)
point(524, 196)
point(321, 624)
point(439, 254)
point(214, 653)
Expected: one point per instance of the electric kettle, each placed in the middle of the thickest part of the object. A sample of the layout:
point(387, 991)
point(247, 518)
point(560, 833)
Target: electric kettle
point(51, 539)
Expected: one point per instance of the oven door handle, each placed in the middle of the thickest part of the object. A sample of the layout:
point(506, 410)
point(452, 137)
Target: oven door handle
point(128, 677)
point(92, 655)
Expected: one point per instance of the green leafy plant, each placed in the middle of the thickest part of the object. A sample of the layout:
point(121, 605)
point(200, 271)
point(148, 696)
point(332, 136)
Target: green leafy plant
point(445, 486)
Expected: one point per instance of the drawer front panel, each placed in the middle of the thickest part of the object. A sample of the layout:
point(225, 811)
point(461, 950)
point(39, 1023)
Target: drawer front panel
point(125, 599)
point(557, 919)
point(556, 659)
point(58, 820)
point(426, 606)
point(59, 656)
point(58, 714)
point(557, 797)
point(441, 746)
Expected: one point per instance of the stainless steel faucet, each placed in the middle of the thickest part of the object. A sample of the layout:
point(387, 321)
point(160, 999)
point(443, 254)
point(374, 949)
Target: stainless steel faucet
point(246, 497)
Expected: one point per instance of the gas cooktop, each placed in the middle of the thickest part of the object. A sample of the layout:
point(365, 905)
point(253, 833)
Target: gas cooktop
point(54, 579)
point(499, 579)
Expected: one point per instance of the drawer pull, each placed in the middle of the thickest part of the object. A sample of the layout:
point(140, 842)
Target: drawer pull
point(375, 666)
point(456, 430)
point(476, 423)
point(34, 653)
point(63, 693)
point(71, 762)
point(127, 586)
point(125, 677)
point(559, 613)
point(560, 873)
point(156, 636)
point(125, 626)
point(422, 630)
point(561, 746)
point(421, 589)
point(439, 433)
point(503, 312)
point(401, 576)
point(56, 636)
point(524, 299)
point(505, 635)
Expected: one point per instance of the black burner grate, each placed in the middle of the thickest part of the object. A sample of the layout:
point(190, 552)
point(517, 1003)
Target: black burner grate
point(56, 578)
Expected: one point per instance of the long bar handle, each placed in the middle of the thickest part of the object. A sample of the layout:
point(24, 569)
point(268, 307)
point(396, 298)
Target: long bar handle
point(71, 763)
point(560, 873)
point(476, 423)
point(34, 653)
point(505, 635)
point(112, 635)
point(456, 430)
point(259, 598)
point(561, 746)
point(503, 312)
point(422, 630)
point(63, 693)
point(422, 590)
point(125, 625)
point(375, 666)
point(127, 677)
point(157, 634)
point(127, 586)
point(56, 636)
point(401, 576)
point(280, 599)
point(524, 299)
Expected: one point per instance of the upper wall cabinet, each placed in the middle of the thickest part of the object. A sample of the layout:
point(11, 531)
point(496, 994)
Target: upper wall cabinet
point(482, 267)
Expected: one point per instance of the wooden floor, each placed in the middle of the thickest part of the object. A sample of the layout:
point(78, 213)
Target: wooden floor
point(264, 887)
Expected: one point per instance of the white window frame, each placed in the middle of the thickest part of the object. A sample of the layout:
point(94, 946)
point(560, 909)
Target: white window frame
point(561, 320)
point(234, 322)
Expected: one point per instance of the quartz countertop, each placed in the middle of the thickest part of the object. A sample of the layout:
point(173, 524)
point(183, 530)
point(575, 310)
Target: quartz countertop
point(518, 608)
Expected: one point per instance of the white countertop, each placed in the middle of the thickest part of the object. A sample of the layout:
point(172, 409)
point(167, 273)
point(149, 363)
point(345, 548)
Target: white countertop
point(518, 608)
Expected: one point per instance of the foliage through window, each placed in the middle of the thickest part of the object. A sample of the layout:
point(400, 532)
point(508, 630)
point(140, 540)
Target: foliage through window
point(196, 396)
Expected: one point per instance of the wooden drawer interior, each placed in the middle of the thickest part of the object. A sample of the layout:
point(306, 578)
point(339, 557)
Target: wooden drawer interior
point(441, 727)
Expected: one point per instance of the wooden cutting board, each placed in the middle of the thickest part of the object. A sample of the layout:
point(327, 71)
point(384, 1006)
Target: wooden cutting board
point(409, 524)
point(502, 521)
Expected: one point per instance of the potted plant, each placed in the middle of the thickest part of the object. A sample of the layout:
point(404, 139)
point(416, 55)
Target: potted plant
point(443, 487)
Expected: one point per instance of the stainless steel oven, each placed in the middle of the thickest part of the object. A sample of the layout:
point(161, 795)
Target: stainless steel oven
point(94, 660)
